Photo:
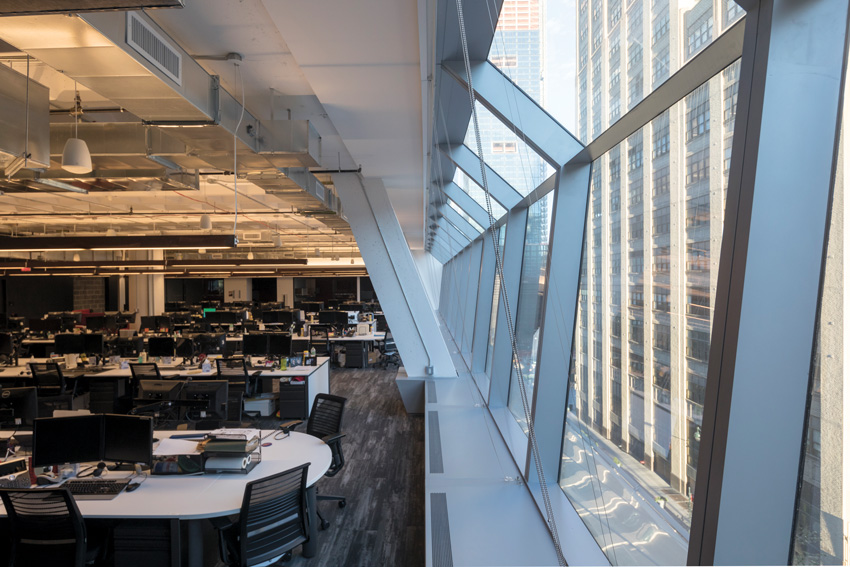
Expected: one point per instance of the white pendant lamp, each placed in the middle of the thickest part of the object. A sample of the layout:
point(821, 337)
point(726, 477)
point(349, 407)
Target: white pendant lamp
point(250, 255)
point(76, 157)
point(206, 222)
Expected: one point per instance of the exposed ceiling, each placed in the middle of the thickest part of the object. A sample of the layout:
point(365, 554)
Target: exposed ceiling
point(351, 70)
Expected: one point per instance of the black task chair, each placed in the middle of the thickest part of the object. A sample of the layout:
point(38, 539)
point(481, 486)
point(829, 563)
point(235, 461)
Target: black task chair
point(52, 389)
point(325, 422)
point(272, 522)
point(389, 352)
point(240, 384)
point(142, 371)
point(46, 528)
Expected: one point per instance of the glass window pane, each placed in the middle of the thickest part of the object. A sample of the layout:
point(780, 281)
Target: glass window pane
point(529, 312)
point(507, 153)
point(624, 57)
point(494, 308)
point(477, 193)
point(648, 287)
point(456, 208)
point(821, 530)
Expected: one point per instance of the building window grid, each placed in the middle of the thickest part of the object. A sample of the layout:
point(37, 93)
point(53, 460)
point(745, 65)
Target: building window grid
point(698, 120)
point(661, 337)
point(636, 192)
point(636, 297)
point(700, 33)
point(635, 331)
point(661, 221)
point(635, 89)
point(660, 27)
point(661, 66)
point(636, 262)
point(698, 211)
point(661, 260)
point(636, 227)
point(698, 345)
point(661, 298)
point(699, 302)
point(699, 254)
point(697, 167)
point(661, 181)
point(615, 11)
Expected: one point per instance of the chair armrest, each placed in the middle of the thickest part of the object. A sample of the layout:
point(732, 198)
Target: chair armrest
point(290, 425)
point(333, 437)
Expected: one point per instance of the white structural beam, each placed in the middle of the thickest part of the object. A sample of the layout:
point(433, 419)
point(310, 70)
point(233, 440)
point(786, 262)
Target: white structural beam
point(467, 203)
point(459, 222)
point(766, 310)
point(394, 276)
point(518, 111)
point(468, 162)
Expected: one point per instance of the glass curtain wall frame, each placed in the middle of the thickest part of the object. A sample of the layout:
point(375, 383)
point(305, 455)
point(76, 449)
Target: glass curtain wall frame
point(483, 311)
point(648, 280)
point(470, 301)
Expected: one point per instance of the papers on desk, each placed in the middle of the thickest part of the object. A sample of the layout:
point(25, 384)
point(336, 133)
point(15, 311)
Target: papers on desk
point(235, 434)
point(173, 447)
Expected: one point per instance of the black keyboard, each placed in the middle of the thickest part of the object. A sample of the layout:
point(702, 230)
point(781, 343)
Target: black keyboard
point(96, 489)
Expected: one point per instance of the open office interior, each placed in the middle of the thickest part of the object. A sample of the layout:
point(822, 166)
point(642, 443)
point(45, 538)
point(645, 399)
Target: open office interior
point(606, 237)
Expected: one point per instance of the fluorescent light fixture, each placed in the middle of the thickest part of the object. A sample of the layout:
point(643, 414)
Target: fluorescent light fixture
point(77, 243)
point(61, 185)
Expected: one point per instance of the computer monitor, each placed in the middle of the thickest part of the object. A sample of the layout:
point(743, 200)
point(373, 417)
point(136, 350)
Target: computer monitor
point(160, 390)
point(341, 318)
point(18, 407)
point(126, 319)
point(69, 343)
point(101, 323)
point(255, 344)
point(161, 346)
point(93, 344)
point(351, 306)
point(70, 321)
point(179, 317)
point(49, 325)
point(280, 344)
point(176, 306)
point(60, 440)
point(184, 348)
point(222, 317)
point(128, 347)
point(127, 439)
point(328, 317)
point(211, 343)
point(7, 344)
point(332, 303)
point(312, 306)
point(213, 392)
point(149, 323)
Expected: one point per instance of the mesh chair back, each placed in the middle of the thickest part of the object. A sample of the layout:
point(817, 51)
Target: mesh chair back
point(273, 519)
point(46, 525)
point(48, 378)
point(235, 371)
point(326, 419)
point(145, 371)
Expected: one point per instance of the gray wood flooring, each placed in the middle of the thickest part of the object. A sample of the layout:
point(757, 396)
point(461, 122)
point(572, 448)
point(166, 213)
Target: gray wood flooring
point(383, 479)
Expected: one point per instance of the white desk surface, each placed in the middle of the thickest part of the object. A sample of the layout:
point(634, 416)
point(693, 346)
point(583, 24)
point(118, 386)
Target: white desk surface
point(210, 495)
point(371, 337)
point(195, 372)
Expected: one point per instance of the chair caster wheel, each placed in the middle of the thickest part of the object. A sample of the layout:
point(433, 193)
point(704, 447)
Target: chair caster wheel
point(325, 524)
point(342, 503)
point(285, 558)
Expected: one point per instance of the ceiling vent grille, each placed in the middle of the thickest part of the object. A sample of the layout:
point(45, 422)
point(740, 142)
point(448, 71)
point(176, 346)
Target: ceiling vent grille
point(252, 236)
point(151, 45)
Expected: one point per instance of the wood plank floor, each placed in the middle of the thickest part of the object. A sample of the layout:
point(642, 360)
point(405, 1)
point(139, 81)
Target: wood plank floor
point(383, 479)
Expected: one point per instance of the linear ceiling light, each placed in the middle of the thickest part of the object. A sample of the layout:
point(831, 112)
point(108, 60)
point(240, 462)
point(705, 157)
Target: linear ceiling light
point(76, 243)
point(61, 185)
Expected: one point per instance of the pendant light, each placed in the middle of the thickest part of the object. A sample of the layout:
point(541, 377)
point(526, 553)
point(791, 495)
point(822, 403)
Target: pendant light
point(206, 222)
point(76, 157)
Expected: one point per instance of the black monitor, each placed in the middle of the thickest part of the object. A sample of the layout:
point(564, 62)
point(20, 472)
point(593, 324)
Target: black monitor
point(127, 439)
point(312, 306)
point(255, 344)
point(211, 343)
point(7, 344)
point(176, 306)
point(149, 323)
point(161, 346)
point(180, 317)
point(93, 344)
point(129, 347)
point(328, 317)
point(160, 390)
point(70, 321)
point(184, 348)
point(332, 303)
point(351, 306)
point(270, 316)
point(280, 344)
point(69, 343)
point(49, 325)
point(340, 318)
point(126, 319)
point(221, 317)
point(213, 392)
point(18, 406)
point(101, 322)
point(60, 440)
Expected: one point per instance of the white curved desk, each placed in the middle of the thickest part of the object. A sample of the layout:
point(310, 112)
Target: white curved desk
point(196, 498)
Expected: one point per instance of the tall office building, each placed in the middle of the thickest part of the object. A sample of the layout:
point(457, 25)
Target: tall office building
point(652, 244)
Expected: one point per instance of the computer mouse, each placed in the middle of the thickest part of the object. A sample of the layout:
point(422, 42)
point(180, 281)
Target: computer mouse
point(132, 487)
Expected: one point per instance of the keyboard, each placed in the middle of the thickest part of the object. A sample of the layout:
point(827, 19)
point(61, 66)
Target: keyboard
point(96, 489)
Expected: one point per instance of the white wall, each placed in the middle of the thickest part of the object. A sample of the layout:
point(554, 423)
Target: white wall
point(285, 289)
point(237, 289)
point(431, 273)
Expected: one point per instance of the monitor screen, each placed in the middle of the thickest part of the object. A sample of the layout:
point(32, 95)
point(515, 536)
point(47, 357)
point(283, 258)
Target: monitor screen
point(255, 344)
point(328, 317)
point(211, 344)
point(50, 325)
point(149, 323)
point(68, 343)
point(351, 306)
point(222, 317)
point(280, 344)
point(94, 344)
point(127, 439)
point(311, 306)
point(96, 323)
point(7, 345)
point(381, 324)
point(60, 440)
point(18, 406)
point(341, 318)
point(184, 347)
point(161, 346)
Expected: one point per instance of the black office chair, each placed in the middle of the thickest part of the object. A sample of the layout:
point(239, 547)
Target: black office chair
point(52, 389)
point(142, 371)
point(325, 422)
point(272, 522)
point(389, 352)
point(47, 528)
point(319, 340)
point(240, 384)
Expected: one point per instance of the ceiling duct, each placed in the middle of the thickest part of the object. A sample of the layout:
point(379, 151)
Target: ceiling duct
point(15, 133)
point(33, 7)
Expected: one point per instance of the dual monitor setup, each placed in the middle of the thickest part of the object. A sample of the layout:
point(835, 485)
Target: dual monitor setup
point(121, 439)
point(195, 399)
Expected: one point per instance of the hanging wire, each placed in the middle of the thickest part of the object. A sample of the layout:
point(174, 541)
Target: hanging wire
point(532, 436)
point(235, 145)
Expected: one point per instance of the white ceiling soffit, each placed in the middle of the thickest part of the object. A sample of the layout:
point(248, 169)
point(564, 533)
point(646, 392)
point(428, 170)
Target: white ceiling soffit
point(364, 67)
point(33, 7)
